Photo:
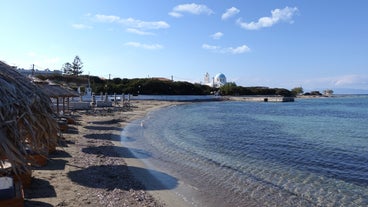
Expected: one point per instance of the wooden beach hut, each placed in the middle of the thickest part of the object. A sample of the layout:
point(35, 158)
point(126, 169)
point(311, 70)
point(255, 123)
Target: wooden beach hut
point(26, 123)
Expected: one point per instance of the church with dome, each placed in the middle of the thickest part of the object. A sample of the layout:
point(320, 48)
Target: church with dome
point(217, 81)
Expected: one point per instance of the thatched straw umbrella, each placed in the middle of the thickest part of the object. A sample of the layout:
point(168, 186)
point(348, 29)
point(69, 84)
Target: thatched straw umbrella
point(26, 119)
point(56, 91)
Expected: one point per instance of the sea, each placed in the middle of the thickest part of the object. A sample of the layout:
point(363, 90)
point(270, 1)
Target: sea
point(311, 152)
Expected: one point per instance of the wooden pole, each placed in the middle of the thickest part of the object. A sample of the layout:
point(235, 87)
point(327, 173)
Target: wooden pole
point(57, 105)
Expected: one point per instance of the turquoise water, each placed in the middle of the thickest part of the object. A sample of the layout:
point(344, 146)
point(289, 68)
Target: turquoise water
point(312, 152)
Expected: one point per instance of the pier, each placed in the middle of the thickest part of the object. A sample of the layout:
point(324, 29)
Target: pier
point(260, 98)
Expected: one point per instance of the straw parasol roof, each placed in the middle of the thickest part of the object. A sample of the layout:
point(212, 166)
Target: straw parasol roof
point(54, 90)
point(26, 118)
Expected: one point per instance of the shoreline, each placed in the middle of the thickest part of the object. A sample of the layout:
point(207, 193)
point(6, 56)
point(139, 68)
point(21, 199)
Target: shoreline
point(92, 151)
point(93, 168)
point(150, 178)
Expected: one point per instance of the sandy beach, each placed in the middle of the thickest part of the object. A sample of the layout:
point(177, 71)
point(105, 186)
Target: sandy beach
point(90, 168)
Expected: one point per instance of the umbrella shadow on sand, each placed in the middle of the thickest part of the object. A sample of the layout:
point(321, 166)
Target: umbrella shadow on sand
point(108, 122)
point(123, 177)
point(103, 128)
point(108, 136)
point(40, 188)
point(116, 151)
point(29, 203)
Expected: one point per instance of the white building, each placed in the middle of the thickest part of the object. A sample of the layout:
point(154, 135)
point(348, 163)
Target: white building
point(217, 81)
point(220, 80)
point(27, 72)
point(207, 80)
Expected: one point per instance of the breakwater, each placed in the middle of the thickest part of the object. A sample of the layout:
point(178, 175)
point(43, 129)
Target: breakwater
point(260, 98)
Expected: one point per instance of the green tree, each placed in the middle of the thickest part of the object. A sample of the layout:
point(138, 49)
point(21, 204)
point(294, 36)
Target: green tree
point(67, 69)
point(117, 80)
point(297, 91)
point(315, 93)
point(77, 66)
point(328, 92)
point(283, 92)
point(229, 89)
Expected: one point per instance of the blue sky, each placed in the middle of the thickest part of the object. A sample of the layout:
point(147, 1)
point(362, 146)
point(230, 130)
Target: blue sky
point(310, 43)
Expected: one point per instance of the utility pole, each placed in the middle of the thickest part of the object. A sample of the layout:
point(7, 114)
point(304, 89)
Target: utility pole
point(33, 71)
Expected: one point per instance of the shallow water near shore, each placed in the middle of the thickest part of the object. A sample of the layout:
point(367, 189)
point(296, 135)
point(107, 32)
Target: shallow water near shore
point(312, 152)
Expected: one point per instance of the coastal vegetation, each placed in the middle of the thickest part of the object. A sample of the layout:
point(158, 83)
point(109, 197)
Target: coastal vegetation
point(147, 86)
point(234, 90)
point(157, 86)
point(313, 93)
point(297, 91)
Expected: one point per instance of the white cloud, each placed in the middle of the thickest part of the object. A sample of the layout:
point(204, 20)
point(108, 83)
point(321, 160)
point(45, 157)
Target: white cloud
point(217, 35)
point(193, 8)
point(132, 23)
point(144, 46)
point(81, 26)
point(230, 13)
point(278, 15)
point(238, 50)
point(107, 18)
point(139, 32)
point(175, 14)
point(210, 47)
point(227, 50)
